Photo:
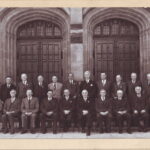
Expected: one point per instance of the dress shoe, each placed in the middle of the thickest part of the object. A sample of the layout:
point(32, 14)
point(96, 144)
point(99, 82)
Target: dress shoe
point(32, 131)
point(23, 131)
point(43, 131)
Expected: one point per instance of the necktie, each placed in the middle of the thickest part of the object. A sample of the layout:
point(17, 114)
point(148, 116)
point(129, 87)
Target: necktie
point(54, 86)
point(29, 100)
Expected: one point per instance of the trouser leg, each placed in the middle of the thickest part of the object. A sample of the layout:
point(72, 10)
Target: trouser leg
point(32, 120)
point(24, 121)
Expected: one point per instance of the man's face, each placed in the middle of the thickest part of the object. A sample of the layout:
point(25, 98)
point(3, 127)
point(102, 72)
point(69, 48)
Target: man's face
point(148, 77)
point(40, 78)
point(84, 93)
point(70, 76)
point(54, 79)
point(119, 93)
point(138, 90)
point(49, 93)
point(23, 77)
point(118, 78)
point(133, 76)
point(29, 93)
point(103, 93)
point(87, 74)
point(66, 92)
point(13, 93)
point(103, 76)
point(8, 80)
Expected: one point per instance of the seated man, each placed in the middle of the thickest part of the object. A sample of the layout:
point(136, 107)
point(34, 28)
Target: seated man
point(11, 111)
point(66, 109)
point(85, 110)
point(103, 110)
point(49, 110)
point(29, 109)
point(121, 111)
point(139, 109)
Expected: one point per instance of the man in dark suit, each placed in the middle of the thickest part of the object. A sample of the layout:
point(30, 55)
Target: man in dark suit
point(103, 111)
point(104, 84)
point(49, 110)
point(119, 85)
point(29, 109)
point(40, 88)
point(11, 111)
point(85, 112)
point(73, 88)
point(140, 109)
point(23, 86)
point(121, 110)
point(6, 88)
point(131, 86)
point(147, 86)
point(66, 110)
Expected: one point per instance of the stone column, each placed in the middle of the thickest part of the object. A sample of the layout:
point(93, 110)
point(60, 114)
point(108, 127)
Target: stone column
point(76, 36)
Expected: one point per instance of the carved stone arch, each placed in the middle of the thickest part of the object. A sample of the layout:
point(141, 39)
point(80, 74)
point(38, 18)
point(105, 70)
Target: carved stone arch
point(14, 18)
point(138, 16)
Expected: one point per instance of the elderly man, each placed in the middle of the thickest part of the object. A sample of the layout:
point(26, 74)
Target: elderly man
point(104, 84)
point(23, 86)
point(49, 110)
point(56, 87)
point(40, 88)
point(29, 109)
point(11, 111)
point(84, 111)
point(140, 109)
point(121, 110)
point(6, 88)
point(119, 85)
point(103, 111)
point(66, 110)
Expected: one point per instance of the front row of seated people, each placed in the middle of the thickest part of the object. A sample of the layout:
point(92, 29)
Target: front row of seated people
point(82, 112)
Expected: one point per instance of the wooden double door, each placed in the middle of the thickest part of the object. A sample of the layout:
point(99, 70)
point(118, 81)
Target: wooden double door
point(116, 49)
point(36, 57)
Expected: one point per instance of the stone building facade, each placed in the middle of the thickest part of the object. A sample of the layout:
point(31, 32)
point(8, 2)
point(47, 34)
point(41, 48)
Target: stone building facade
point(61, 40)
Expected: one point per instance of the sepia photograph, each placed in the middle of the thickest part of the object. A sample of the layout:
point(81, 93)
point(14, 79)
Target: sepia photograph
point(74, 72)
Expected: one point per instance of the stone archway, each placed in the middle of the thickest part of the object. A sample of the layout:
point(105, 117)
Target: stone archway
point(12, 18)
point(138, 16)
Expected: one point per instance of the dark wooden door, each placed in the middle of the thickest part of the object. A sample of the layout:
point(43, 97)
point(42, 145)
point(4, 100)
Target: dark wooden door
point(116, 49)
point(39, 51)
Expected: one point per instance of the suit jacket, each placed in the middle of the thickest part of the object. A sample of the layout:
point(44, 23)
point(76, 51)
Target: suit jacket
point(131, 87)
point(9, 106)
point(73, 87)
point(139, 103)
point(102, 106)
point(30, 106)
point(121, 86)
point(40, 91)
point(5, 91)
point(147, 89)
point(121, 105)
point(22, 88)
point(47, 105)
point(106, 86)
point(56, 92)
point(91, 87)
point(1, 106)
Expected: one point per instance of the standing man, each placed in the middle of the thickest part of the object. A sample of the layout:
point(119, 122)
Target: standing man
point(66, 110)
point(121, 110)
point(85, 112)
point(103, 111)
point(23, 86)
point(147, 86)
point(140, 109)
point(131, 86)
point(11, 111)
point(29, 109)
point(49, 110)
point(73, 88)
point(104, 84)
point(6, 88)
point(119, 85)
point(56, 87)
point(40, 88)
